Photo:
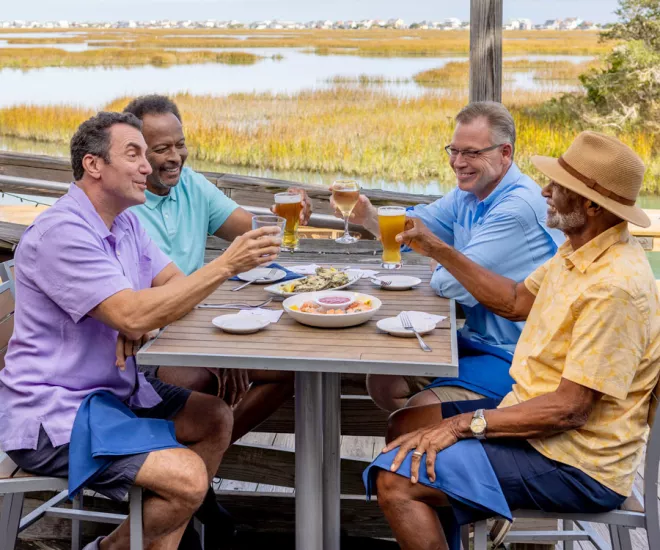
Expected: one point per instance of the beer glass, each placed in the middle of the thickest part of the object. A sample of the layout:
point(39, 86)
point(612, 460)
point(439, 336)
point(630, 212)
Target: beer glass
point(345, 194)
point(288, 206)
point(391, 221)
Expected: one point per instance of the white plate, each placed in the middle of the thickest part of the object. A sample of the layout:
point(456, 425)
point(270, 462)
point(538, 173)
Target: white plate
point(397, 282)
point(330, 321)
point(259, 272)
point(353, 278)
point(237, 324)
point(393, 326)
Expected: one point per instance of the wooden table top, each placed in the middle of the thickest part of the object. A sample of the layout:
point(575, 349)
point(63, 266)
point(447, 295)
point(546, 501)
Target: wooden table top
point(287, 345)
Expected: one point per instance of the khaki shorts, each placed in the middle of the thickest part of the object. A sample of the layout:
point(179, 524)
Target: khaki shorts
point(445, 394)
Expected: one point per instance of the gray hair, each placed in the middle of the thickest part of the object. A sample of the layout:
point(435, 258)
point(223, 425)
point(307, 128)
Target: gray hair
point(93, 138)
point(502, 127)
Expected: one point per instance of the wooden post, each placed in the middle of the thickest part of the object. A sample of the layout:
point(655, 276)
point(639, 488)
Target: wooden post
point(486, 50)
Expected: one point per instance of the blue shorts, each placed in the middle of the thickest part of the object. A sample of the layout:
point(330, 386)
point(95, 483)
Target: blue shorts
point(532, 481)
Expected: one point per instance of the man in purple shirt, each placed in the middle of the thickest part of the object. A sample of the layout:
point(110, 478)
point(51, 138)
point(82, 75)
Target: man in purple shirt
point(88, 279)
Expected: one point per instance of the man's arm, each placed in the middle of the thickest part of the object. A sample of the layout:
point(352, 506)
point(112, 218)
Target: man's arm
point(134, 313)
point(501, 295)
point(238, 222)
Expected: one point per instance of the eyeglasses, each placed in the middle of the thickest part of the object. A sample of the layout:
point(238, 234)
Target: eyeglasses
point(470, 153)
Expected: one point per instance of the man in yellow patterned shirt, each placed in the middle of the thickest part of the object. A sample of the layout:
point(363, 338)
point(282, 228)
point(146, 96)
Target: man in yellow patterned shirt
point(570, 435)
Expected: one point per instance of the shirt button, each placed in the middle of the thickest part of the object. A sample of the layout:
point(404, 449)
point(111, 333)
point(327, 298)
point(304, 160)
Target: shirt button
point(167, 215)
point(118, 253)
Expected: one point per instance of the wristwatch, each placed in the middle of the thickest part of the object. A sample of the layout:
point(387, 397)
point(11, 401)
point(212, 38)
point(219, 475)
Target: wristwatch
point(478, 424)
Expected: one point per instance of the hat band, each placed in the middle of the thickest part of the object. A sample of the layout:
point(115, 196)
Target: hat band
point(593, 184)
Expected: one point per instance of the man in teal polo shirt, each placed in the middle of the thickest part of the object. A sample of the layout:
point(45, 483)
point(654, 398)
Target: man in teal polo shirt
point(181, 209)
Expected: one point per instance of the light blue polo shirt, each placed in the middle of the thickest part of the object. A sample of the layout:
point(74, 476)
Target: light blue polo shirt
point(505, 233)
point(180, 221)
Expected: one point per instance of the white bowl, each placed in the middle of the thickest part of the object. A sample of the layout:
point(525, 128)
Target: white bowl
point(320, 296)
point(238, 324)
point(330, 321)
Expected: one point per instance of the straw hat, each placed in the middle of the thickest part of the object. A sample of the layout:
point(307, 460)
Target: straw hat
point(602, 169)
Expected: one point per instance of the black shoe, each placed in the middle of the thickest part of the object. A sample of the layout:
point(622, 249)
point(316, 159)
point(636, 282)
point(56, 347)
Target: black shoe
point(219, 526)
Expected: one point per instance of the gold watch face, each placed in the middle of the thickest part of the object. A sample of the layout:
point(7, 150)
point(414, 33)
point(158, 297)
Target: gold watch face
point(478, 425)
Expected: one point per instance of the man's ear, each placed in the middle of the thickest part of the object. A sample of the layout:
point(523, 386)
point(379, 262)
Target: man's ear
point(92, 165)
point(593, 209)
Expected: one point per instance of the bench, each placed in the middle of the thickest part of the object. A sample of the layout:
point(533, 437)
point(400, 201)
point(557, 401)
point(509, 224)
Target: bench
point(15, 483)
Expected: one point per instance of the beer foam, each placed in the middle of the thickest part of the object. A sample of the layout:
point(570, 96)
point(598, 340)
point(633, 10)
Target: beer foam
point(287, 198)
point(391, 211)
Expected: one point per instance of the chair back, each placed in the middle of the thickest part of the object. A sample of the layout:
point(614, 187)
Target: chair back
point(651, 464)
point(7, 271)
point(6, 318)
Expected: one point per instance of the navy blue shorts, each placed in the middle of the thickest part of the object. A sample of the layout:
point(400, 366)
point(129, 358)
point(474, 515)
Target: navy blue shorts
point(532, 481)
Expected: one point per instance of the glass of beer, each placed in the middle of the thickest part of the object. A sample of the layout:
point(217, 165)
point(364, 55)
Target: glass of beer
point(391, 221)
point(289, 206)
point(345, 194)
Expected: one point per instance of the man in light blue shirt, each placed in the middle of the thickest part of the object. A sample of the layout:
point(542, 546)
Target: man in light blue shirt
point(495, 216)
point(181, 209)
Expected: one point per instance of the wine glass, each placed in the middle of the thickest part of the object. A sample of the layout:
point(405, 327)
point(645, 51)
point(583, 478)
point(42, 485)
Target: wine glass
point(345, 194)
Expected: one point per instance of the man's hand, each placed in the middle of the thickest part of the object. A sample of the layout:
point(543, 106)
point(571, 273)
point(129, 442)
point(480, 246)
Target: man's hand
point(127, 348)
point(364, 213)
point(425, 440)
point(234, 384)
point(306, 211)
point(252, 249)
point(418, 237)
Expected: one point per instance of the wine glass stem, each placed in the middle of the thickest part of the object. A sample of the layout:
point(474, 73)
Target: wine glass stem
point(346, 233)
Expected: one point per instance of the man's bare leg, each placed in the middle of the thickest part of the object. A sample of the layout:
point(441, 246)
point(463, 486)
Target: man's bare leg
point(409, 509)
point(389, 392)
point(179, 479)
point(269, 390)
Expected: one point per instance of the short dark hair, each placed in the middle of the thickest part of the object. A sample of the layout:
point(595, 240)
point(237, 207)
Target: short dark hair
point(93, 138)
point(153, 104)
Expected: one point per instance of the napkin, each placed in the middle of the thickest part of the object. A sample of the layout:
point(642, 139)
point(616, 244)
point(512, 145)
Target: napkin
point(271, 315)
point(305, 269)
point(420, 316)
point(289, 274)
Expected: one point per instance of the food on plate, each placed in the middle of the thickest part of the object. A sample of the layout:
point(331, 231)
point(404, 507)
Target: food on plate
point(325, 279)
point(358, 306)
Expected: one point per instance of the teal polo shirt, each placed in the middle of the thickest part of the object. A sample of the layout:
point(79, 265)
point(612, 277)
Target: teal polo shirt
point(180, 221)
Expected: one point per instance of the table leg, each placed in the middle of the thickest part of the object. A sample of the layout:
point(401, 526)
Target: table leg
point(331, 460)
point(309, 458)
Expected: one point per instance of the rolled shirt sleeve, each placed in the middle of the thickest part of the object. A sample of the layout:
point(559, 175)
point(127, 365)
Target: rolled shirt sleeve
point(439, 216)
point(159, 260)
point(534, 281)
point(492, 244)
point(72, 268)
point(608, 340)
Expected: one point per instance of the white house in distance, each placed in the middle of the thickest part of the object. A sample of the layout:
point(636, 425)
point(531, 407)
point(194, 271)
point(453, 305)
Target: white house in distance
point(519, 25)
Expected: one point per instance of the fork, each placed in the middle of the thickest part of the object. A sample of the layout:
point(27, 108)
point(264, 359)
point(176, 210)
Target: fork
point(382, 283)
point(234, 306)
point(405, 321)
point(268, 275)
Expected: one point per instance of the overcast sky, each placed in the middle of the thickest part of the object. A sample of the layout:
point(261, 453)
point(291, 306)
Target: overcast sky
point(599, 11)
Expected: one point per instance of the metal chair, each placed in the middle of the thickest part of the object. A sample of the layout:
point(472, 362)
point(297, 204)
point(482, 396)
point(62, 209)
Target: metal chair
point(631, 515)
point(7, 271)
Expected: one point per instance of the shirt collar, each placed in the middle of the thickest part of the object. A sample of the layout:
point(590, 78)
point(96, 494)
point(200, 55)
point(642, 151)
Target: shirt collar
point(92, 217)
point(154, 200)
point(512, 176)
point(589, 252)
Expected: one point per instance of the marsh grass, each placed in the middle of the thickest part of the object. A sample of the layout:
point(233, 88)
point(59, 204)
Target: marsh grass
point(28, 58)
point(372, 43)
point(358, 132)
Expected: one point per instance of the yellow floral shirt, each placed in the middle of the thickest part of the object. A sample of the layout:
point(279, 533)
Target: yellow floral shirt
point(596, 322)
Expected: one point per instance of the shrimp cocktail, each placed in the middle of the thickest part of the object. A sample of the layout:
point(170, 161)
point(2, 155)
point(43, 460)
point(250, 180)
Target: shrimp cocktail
point(345, 193)
point(391, 221)
point(289, 206)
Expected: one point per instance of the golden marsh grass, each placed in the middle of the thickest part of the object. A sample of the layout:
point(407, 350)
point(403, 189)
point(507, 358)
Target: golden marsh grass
point(354, 132)
point(29, 58)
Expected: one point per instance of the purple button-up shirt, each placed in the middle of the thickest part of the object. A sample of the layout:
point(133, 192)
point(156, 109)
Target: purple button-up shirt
point(67, 263)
